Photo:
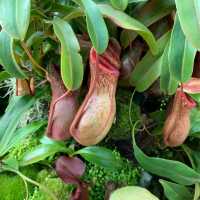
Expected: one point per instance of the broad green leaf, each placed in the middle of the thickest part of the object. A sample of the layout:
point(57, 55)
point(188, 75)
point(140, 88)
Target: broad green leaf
point(194, 157)
point(71, 60)
point(149, 68)
point(7, 58)
point(125, 21)
point(100, 156)
point(41, 152)
point(195, 121)
point(120, 4)
point(181, 54)
point(167, 82)
point(22, 133)
point(4, 76)
point(96, 26)
point(132, 193)
point(150, 13)
point(15, 16)
point(173, 170)
point(9, 122)
point(189, 14)
point(175, 191)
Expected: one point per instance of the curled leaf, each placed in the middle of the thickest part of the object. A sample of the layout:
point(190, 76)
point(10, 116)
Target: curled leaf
point(96, 114)
point(62, 109)
point(70, 170)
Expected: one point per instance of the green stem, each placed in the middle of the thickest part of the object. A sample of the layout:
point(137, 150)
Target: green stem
point(25, 178)
point(33, 61)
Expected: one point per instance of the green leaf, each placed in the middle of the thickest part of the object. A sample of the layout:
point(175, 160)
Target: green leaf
point(41, 152)
point(148, 14)
point(96, 26)
point(181, 54)
point(196, 97)
point(9, 122)
point(132, 193)
point(173, 170)
point(175, 191)
point(4, 76)
point(136, 1)
point(167, 82)
point(7, 58)
point(22, 133)
point(71, 60)
point(189, 14)
point(15, 16)
point(120, 4)
point(195, 121)
point(100, 156)
point(125, 21)
point(149, 68)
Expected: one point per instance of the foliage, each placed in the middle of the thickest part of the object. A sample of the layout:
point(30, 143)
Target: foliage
point(38, 34)
point(100, 177)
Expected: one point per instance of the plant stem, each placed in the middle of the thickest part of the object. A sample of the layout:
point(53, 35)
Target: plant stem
point(33, 61)
point(25, 178)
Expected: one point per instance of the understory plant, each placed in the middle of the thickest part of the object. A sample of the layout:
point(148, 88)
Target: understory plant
point(100, 99)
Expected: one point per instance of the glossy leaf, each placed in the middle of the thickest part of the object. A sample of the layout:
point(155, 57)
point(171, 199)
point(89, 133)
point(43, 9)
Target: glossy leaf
point(125, 21)
point(7, 58)
point(96, 26)
point(149, 68)
point(41, 152)
point(4, 76)
point(150, 13)
point(167, 82)
point(175, 191)
point(119, 4)
point(173, 170)
point(132, 193)
point(195, 120)
point(100, 156)
point(15, 16)
point(21, 134)
point(9, 122)
point(181, 54)
point(189, 14)
point(71, 60)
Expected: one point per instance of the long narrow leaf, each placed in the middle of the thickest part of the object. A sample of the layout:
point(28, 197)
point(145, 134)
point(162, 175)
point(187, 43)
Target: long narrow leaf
point(175, 191)
point(7, 58)
point(71, 60)
point(181, 54)
point(189, 14)
point(174, 170)
point(15, 16)
point(9, 122)
point(149, 68)
point(96, 26)
point(167, 82)
point(125, 21)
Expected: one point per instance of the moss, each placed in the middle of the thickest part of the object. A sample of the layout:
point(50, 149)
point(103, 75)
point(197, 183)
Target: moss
point(54, 184)
point(12, 186)
point(121, 128)
point(99, 177)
